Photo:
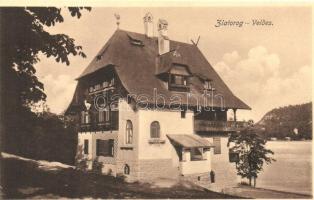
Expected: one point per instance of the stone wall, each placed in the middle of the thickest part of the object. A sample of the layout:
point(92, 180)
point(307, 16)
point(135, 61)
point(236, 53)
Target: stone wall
point(202, 179)
point(156, 168)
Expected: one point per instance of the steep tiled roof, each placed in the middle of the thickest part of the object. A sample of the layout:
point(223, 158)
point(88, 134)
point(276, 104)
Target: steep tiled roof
point(138, 66)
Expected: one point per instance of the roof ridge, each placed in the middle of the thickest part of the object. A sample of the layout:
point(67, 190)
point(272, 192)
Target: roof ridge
point(154, 37)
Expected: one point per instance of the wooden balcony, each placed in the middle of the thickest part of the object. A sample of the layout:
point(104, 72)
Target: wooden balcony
point(211, 126)
point(97, 127)
point(111, 125)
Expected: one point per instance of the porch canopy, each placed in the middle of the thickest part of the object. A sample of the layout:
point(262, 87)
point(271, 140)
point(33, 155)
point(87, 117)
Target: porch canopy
point(189, 141)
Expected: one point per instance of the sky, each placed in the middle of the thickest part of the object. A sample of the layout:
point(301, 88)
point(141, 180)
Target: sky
point(265, 66)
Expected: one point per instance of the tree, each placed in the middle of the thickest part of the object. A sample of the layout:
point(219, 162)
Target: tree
point(23, 38)
point(252, 153)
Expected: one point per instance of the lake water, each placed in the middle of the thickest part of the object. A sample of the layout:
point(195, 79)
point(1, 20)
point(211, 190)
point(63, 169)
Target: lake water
point(292, 172)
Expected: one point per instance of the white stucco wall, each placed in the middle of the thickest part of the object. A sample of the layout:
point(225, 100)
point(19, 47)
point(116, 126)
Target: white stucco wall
point(170, 123)
point(199, 166)
point(127, 113)
point(225, 172)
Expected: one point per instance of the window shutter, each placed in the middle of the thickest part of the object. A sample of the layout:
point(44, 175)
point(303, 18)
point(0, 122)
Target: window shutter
point(183, 112)
point(111, 145)
point(97, 147)
point(107, 113)
point(85, 146)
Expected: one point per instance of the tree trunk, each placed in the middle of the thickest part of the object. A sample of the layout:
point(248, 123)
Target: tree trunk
point(254, 181)
point(250, 181)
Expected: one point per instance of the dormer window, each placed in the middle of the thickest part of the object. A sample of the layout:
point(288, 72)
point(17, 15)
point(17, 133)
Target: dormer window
point(98, 57)
point(135, 41)
point(178, 78)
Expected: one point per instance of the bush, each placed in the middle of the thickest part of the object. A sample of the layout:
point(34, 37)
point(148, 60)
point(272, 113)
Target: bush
point(41, 136)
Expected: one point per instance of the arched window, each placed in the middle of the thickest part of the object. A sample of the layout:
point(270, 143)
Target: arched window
point(129, 132)
point(155, 130)
point(126, 169)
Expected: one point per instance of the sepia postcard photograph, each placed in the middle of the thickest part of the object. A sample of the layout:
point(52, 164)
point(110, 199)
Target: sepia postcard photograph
point(155, 101)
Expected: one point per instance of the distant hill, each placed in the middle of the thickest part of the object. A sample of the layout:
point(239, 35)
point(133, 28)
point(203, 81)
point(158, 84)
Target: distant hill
point(285, 121)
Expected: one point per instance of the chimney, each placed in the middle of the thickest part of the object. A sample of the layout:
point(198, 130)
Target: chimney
point(148, 25)
point(163, 40)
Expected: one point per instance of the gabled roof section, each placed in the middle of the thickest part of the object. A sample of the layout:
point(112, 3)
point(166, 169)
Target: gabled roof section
point(138, 67)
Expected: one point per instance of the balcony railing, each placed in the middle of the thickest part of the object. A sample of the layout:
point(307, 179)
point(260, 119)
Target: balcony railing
point(206, 125)
point(110, 125)
point(98, 127)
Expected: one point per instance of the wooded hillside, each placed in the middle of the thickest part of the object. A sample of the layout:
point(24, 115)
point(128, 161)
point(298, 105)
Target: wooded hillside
point(283, 122)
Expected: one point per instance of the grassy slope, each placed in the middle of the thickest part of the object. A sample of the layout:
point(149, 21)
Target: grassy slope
point(24, 179)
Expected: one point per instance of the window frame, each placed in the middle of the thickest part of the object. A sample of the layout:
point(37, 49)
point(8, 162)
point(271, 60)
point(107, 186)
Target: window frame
point(86, 146)
point(128, 132)
point(101, 116)
point(183, 114)
point(155, 126)
point(110, 150)
point(107, 115)
point(175, 77)
point(85, 117)
point(126, 169)
point(197, 154)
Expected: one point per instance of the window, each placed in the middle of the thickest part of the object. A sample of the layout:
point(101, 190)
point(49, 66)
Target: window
point(178, 80)
point(155, 130)
point(85, 146)
point(233, 156)
point(105, 84)
point(97, 87)
point(208, 85)
point(107, 115)
point(196, 154)
point(111, 82)
point(85, 118)
point(217, 145)
point(91, 89)
point(183, 112)
point(126, 169)
point(101, 116)
point(129, 132)
point(104, 147)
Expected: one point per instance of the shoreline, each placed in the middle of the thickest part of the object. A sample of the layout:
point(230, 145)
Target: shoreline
point(251, 192)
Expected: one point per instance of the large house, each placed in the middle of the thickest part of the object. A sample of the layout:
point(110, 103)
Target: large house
point(148, 106)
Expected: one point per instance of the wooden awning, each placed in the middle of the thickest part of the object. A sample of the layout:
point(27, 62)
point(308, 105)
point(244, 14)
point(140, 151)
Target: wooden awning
point(189, 140)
